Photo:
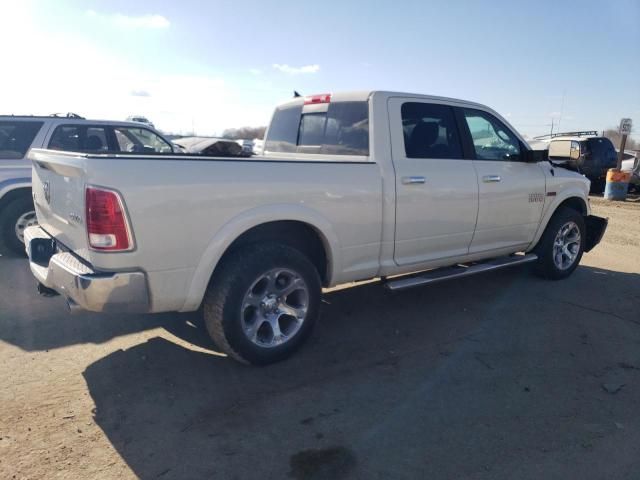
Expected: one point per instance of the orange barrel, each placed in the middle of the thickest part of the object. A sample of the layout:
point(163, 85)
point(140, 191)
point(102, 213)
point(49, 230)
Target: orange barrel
point(617, 184)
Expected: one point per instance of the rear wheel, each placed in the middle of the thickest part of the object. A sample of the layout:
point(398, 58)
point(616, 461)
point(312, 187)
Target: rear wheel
point(14, 219)
point(262, 303)
point(562, 245)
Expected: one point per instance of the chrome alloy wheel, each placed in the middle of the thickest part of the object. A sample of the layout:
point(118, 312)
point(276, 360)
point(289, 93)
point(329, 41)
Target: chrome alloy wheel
point(27, 219)
point(275, 307)
point(566, 246)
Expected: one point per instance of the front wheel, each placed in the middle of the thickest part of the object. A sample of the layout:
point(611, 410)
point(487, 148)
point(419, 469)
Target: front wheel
point(562, 245)
point(262, 303)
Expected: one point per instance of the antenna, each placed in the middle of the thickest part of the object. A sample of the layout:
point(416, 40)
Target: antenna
point(561, 108)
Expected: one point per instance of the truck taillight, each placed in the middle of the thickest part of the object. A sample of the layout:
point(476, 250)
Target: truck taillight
point(322, 98)
point(107, 226)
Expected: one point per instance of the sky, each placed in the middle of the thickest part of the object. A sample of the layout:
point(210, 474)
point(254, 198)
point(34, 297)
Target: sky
point(206, 66)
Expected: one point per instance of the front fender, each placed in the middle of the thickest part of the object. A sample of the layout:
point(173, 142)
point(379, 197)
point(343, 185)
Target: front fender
point(247, 220)
point(551, 208)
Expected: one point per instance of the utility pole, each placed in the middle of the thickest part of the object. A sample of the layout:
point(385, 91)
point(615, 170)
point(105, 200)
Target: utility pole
point(561, 108)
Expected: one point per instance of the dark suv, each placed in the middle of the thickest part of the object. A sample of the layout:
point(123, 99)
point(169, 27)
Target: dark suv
point(584, 152)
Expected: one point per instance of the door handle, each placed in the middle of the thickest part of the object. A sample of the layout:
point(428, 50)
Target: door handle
point(413, 180)
point(491, 178)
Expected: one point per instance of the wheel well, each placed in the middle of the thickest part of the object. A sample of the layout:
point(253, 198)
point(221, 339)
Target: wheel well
point(299, 235)
point(575, 203)
point(13, 194)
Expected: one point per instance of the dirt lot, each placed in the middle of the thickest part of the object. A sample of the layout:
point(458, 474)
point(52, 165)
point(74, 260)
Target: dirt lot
point(499, 376)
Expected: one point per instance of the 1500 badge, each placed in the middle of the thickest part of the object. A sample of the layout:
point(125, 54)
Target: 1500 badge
point(536, 197)
point(75, 218)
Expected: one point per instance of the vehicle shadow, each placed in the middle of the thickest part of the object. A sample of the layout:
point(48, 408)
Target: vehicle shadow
point(36, 323)
point(351, 401)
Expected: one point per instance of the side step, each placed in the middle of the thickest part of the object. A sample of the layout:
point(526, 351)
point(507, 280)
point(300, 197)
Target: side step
point(440, 274)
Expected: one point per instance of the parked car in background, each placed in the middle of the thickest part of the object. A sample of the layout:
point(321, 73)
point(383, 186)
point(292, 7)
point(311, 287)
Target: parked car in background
point(592, 154)
point(631, 163)
point(258, 146)
point(68, 133)
point(351, 186)
point(140, 119)
point(247, 146)
point(210, 146)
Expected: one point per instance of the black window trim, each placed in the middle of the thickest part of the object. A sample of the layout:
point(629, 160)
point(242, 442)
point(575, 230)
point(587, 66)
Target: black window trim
point(468, 139)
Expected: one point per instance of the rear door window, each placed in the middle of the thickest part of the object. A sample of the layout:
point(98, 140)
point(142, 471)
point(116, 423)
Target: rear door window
point(430, 131)
point(341, 130)
point(80, 138)
point(16, 138)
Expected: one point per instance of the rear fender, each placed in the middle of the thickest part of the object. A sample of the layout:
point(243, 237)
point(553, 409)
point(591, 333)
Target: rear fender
point(244, 222)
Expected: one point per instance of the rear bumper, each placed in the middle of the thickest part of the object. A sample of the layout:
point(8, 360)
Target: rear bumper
point(596, 226)
point(82, 286)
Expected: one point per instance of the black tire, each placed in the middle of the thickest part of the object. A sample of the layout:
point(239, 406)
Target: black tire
point(223, 302)
point(546, 266)
point(9, 216)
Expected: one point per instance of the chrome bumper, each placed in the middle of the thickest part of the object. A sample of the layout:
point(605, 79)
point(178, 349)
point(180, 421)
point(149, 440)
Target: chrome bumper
point(84, 287)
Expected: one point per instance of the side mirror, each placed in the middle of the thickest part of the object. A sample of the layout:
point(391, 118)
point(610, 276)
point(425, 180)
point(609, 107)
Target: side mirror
point(574, 152)
point(535, 156)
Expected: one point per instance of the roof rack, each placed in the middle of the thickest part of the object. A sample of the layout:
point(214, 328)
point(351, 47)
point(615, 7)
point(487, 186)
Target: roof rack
point(67, 115)
point(583, 133)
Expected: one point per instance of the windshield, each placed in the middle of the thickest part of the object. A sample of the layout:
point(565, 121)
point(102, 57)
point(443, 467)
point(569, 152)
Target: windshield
point(602, 150)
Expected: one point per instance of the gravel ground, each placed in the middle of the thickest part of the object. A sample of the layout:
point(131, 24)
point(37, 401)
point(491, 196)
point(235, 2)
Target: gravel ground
point(499, 376)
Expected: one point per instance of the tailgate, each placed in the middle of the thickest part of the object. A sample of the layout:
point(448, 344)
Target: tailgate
point(59, 196)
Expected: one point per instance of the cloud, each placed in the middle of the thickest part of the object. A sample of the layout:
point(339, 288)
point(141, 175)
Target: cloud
point(178, 102)
point(152, 21)
point(140, 93)
point(296, 70)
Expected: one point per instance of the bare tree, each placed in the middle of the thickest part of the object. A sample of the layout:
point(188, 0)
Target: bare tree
point(613, 135)
point(244, 133)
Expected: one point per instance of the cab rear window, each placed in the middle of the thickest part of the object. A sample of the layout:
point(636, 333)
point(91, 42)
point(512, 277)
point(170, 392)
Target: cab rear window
point(16, 138)
point(342, 130)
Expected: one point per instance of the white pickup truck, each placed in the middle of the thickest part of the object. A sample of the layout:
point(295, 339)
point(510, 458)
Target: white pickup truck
point(351, 186)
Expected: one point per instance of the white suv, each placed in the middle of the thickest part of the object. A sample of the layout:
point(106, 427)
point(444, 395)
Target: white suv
point(69, 133)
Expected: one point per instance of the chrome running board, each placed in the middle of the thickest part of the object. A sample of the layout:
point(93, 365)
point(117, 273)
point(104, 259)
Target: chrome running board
point(458, 271)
